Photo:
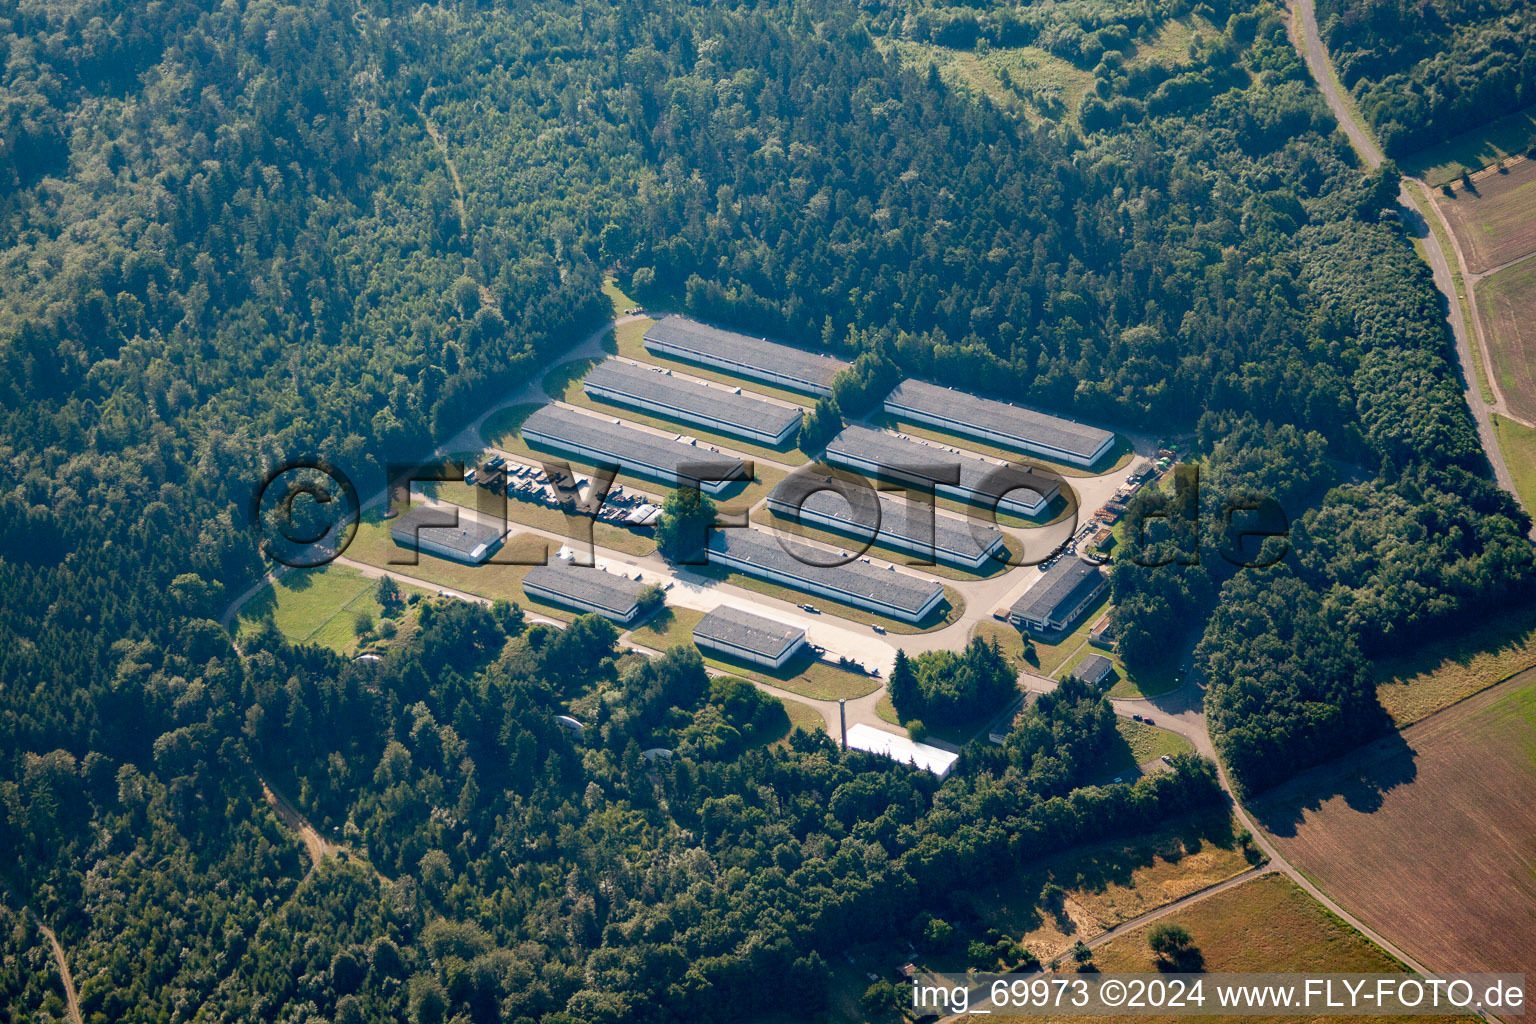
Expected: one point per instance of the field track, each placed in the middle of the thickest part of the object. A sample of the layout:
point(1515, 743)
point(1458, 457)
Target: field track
point(1429, 835)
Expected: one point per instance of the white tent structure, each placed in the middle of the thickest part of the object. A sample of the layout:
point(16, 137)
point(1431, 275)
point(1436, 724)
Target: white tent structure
point(900, 748)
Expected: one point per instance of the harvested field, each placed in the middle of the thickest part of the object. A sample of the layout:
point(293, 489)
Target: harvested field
point(1496, 222)
point(1429, 835)
point(1506, 302)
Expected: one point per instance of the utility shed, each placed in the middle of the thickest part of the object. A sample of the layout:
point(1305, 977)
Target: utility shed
point(717, 408)
point(1060, 598)
point(470, 541)
point(602, 440)
point(743, 355)
point(586, 589)
point(899, 748)
point(903, 460)
point(1002, 423)
point(884, 591)
point(1094, 669)
point(747, 637)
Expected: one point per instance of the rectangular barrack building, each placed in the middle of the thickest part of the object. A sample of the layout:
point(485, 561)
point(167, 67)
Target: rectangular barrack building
point(904, 525)
point(636, 451)
point(878, 453)
point(586, 589)
point(747, 637)
point(1060, 598)
point(883, 591)
point(713, 408)
point(1003, 424)
point(743, 355)
point(470, 541)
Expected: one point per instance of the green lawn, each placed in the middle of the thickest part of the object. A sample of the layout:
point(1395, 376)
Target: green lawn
point(318, 606)
point(1482, 146)
point(1518, 444)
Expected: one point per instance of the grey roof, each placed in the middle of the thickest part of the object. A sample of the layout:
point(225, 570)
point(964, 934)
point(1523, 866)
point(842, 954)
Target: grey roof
point(895, 589)
point(591, 586)
point(1094, 669)
point(742, 629)
point(626, 445)
point(1003, 418)
point(901, 526)
point(753, 353)
point(643, 384)
point(885, 449)
point(1069, 581)
point(463, 539)
point(968, 410)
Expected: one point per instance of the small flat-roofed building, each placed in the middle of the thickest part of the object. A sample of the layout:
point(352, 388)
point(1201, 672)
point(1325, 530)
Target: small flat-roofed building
point(747, 637)
point(883, 591)
point(899, 748)
point(469, 541)
point(636, 451)
point(1094, 669)
point(1002, 423)
point(905, 524)
point(1103, 632)
point(884, 455)
point(727, 411)
point(743, 355)
point(1060, 598)
point(586, 589)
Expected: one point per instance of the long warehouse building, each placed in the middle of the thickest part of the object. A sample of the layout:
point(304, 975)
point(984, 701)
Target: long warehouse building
point(713, 408)
point(903, 526)
point(586, 589)
point(747, 637)
point(420, 529)
point(1002, 423)
point(898, 459)
point(883, 591)
point(743, 355)
point(636, 451)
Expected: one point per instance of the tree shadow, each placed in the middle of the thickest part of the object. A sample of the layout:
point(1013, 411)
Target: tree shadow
point(1362, 778)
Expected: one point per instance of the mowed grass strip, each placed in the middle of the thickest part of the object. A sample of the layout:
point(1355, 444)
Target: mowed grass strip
point(1517, 443)
point(1506, 302)
point(1429, 834)
point(1495, 222)
point(1265, 925)
point(1457, 665)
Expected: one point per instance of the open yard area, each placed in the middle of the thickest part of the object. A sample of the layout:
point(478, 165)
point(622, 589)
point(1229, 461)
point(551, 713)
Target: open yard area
point(318, 606)
point(1495, 222)
point(1506, 302)
point(1428, 835)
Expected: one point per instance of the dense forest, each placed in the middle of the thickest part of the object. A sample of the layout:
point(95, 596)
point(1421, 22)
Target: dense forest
point(1424, 71)
point(231, 234)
